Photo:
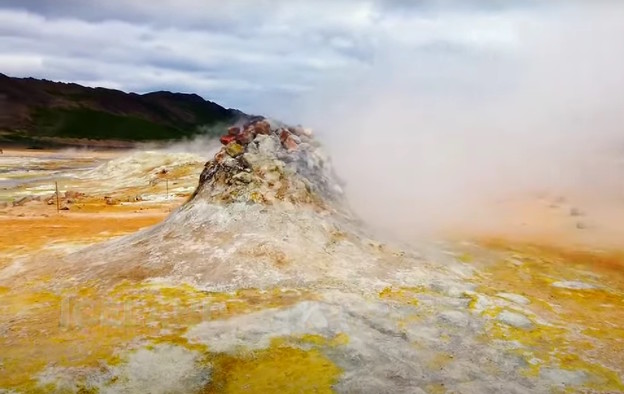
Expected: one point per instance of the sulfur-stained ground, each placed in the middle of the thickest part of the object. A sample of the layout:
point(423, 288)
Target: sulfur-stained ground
point(519, 315)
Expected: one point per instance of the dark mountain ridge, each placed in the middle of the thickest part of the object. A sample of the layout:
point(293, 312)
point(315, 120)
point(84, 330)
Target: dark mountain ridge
point(42, 113)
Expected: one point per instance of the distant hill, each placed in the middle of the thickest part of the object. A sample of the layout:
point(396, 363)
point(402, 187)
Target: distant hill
point(43, 113)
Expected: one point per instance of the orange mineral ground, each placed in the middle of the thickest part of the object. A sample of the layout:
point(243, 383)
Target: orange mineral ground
point(545, 278)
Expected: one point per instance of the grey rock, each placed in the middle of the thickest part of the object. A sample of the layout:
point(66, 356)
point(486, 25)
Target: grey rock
point(515, 298)
point(515, 319)
point(455, 318)
point(573, 285)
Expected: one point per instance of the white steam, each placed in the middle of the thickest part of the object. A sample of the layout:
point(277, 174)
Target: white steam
point(426, 137)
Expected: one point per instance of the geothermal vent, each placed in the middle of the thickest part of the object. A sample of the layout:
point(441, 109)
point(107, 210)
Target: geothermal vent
point(268, 209)
point(267, 164)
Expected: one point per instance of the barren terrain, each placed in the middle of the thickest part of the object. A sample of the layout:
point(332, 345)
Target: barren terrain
point(260, 290)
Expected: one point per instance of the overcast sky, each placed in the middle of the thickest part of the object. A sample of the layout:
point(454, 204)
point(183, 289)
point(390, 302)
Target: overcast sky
point(259, 56)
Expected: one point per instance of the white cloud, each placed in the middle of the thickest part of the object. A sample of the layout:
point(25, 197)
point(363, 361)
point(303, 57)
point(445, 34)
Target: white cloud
point(254, 55)
point(15, 64)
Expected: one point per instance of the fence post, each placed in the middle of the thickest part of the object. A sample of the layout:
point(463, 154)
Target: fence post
point(58, 204)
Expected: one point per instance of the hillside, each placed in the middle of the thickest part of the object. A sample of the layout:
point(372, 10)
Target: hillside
point(41, 113)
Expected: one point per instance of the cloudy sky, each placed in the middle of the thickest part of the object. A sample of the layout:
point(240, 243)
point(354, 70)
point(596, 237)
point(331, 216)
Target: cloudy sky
point(260, 55)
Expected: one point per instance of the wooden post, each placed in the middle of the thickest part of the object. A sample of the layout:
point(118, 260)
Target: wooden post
point(58, 203)
point(167, 183)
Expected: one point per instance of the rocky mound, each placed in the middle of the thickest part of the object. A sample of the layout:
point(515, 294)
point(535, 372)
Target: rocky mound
point(266, 162)
point(268, 210)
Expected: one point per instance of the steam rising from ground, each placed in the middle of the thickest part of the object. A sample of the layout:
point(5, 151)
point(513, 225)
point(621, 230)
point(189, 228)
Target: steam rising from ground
point(425, 138)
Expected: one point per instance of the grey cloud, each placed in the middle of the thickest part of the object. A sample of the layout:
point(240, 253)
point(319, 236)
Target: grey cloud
point(220, 14)
point(465, 5)
point(64, 47)
point(267, 51)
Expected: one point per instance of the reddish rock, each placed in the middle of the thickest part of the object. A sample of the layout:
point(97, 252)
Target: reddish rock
point(245, 137)
point(233, 130)
point(290, 144)
point(226, 139)
point(71, 194)
point(262, 127)
point(249, 129)
point(111, 201)
point(284, 134)
point(220, 156)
